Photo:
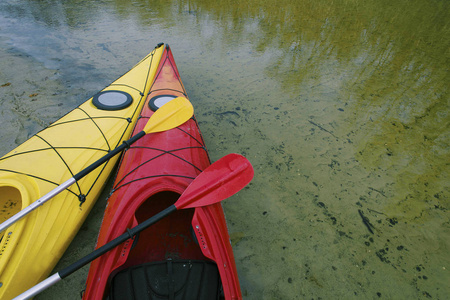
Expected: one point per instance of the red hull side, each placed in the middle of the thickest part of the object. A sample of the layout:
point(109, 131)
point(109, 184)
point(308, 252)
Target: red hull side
point(151, 176)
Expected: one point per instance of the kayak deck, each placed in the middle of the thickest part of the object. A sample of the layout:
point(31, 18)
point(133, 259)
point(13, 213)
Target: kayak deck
point(152, 175)
point(31, 247)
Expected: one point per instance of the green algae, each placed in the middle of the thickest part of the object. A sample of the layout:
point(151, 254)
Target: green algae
point(341, 106)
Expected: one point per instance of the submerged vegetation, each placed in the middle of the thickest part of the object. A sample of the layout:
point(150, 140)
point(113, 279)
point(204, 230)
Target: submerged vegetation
point(341, 106)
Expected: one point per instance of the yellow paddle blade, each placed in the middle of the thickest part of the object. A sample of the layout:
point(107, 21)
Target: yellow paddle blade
point(170, 115)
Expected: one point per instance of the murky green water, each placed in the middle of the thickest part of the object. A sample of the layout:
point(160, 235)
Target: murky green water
point(341, 106)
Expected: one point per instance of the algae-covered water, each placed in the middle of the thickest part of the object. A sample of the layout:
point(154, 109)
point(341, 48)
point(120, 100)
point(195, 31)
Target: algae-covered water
point(341, 106)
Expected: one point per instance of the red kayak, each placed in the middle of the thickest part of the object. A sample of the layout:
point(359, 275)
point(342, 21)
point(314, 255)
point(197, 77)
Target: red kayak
point(186, 255)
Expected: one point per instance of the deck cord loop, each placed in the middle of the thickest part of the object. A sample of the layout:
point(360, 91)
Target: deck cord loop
point(82, 199)
point(127, 144)
point(130, 234)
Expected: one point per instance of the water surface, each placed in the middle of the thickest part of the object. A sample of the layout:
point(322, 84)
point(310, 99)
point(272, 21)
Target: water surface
point(341, 106)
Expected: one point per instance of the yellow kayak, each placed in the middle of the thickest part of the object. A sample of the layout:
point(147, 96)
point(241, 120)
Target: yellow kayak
point(31, 247)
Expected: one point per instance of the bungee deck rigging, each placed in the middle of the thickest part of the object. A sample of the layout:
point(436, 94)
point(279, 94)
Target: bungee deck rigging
point(56, 148)
point(122, 182)
point(128, 120)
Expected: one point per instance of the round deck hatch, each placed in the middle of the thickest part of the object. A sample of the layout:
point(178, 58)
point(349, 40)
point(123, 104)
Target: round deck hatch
point(158, 101)
point(112, 100)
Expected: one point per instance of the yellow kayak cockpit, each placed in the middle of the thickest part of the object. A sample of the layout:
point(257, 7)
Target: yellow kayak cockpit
point(10, 202)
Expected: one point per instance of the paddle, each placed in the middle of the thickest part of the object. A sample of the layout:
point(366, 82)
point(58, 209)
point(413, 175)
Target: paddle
point(168, 116)
point(219, 181)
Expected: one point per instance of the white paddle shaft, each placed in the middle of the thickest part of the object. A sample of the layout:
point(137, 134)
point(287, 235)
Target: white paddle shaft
point(36, 204)
point(39, 287)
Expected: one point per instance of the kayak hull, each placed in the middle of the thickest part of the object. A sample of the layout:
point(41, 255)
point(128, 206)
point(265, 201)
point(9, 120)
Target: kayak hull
point(152, 174)
point(31, 247)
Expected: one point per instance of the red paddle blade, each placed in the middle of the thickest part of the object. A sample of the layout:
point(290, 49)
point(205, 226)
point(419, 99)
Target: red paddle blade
point(222, 179)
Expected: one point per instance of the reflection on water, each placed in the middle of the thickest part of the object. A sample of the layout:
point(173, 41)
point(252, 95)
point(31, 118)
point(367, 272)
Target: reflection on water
point(341, 106)
point(386, 63)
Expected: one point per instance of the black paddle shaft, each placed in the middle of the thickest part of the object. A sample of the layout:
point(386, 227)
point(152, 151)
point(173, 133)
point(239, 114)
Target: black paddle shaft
point(112, 153)
point(116, 242)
